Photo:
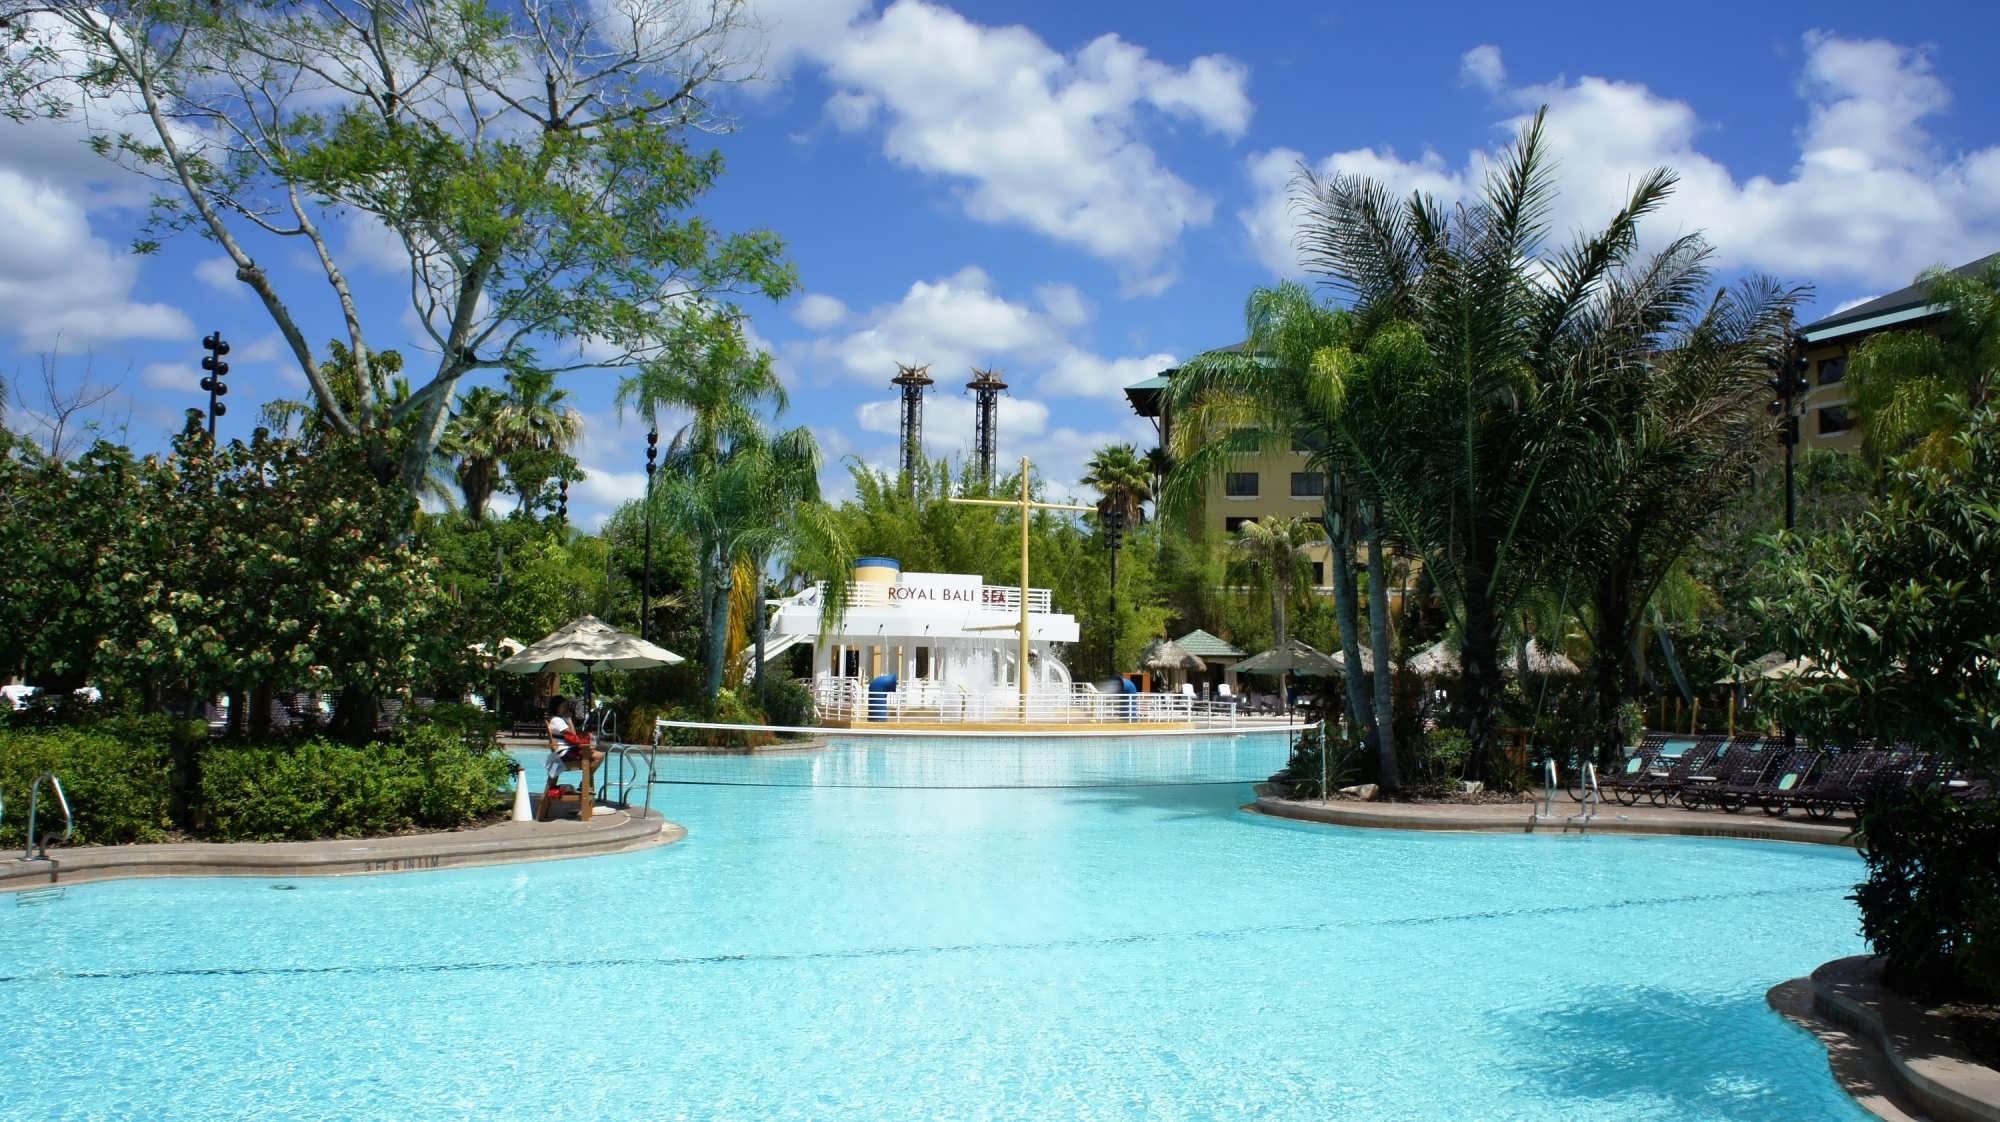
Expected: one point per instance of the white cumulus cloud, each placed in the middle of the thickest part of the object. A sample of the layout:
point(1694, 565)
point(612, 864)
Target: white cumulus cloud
point(1872, 197)
point(1056, 143)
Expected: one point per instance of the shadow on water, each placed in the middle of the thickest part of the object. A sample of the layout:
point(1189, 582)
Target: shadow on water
point(1709, 1056)
point(1179, 800)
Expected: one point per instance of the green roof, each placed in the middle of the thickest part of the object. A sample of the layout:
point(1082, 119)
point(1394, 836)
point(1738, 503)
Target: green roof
point(1203, 645)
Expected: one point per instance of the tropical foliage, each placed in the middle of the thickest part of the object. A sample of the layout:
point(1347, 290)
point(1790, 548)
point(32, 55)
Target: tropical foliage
point(1916, 389)
point(529, 162)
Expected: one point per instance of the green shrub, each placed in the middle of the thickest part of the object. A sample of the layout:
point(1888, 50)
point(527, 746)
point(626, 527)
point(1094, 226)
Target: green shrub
point(466, 725)
point(787, 702)
point(320, 789)
point(1311, 763)
point(1439, 761)
point(1931, 904)
point(115, 773)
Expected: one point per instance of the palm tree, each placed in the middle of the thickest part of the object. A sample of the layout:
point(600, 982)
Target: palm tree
point(1159, 461)
point(1917, 389)
point(478, 438)
point(1122, 479)
point(1277, 554)
point(1297, 382)
point(758, 502)
point(1679, 380)
point(1483, 455)
point(540, 428)
point(710, 371)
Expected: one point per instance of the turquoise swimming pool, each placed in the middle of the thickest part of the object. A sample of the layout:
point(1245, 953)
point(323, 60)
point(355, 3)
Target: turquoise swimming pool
point(826, 948)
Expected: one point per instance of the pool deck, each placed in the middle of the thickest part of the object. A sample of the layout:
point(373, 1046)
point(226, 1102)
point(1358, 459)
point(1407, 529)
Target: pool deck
point(1897, 1058)
point(1520, 817)
point(611, 830)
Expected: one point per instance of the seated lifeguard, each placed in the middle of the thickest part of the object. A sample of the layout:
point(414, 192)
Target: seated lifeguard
point(568, 748)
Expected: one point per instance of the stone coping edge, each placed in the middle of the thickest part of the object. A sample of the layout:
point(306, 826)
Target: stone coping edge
point(502, 844)
point(1360, 814)
point(1923, 1058)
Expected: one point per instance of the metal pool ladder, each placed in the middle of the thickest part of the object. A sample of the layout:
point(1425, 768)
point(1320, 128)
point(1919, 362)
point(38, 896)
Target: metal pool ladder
point(28, 852)
point(1592, 798)
point(1545, 810)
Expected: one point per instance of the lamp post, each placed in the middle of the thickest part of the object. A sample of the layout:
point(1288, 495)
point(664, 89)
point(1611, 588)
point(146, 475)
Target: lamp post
point(212, 381)
point(1789, 383)
point(646, 570)
point(1111, 516)
point(562, 503)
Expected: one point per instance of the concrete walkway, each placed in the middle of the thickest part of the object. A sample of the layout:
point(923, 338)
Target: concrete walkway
point(1922, 1057)
point(610, 830)
point(1520, 817)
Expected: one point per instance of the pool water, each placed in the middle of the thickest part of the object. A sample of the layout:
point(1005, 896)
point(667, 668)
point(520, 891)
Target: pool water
point(978, 951)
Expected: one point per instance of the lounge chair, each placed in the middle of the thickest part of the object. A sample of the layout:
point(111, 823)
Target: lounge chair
point(1731, 776)
point(1669, 774)
point(1626, 780)
point(1844, 780)
point(1786, 784)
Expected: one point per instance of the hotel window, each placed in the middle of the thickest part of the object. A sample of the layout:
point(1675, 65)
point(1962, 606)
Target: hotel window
point(1832, 370)
point(1319, 574)
point(1301, 444)
point(1834, 419)
point(1308, 484)
point(1240, 485)
point(1234, 524)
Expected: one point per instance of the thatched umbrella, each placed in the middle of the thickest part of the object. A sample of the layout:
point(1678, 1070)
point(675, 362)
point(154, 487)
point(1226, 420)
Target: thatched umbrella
point(1440, 661)
point(1169, 657)
point(1542, 660)
point(1339, 660)
point(1435, 661)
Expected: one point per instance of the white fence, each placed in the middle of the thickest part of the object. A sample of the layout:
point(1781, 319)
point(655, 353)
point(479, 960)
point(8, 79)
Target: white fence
point(992, 597)
point(843, 700)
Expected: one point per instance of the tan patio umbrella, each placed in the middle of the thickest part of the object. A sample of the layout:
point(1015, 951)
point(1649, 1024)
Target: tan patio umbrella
point(1292, 658)
point(587, 644)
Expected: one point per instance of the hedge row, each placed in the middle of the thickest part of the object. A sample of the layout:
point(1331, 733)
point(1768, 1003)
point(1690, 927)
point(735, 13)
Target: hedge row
point(118, 776)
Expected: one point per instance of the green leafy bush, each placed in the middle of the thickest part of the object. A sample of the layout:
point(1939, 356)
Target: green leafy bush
point(320, 789)
point(115, 773)
point(1314, 769)
point(1931, 904)
point(787, 702)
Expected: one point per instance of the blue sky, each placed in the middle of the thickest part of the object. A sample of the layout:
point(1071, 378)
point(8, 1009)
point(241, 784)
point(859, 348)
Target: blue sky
point(1081, 194)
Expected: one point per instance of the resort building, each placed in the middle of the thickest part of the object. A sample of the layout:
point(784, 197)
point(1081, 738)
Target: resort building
point(1830, 342)
point(941, 642)
point(1266, 485)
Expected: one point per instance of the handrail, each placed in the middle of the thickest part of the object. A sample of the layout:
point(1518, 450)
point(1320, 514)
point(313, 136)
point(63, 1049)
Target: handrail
point(34, 800)
point(1547, 808)
point(1593, 796)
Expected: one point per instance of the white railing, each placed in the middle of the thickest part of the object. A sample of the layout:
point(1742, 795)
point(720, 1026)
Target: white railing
point(991, 597)
point(847, 700)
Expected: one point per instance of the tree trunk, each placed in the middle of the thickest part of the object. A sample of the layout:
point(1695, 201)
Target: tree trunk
point(1340, 543)
point(1481, 668)
point(718, 631)
point(757, 622)
point(260, 713)
point(1282, 586)
point(1612, 635)
point(1378, 638)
